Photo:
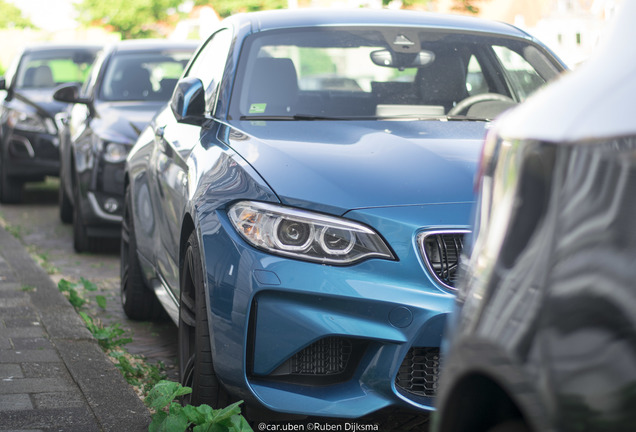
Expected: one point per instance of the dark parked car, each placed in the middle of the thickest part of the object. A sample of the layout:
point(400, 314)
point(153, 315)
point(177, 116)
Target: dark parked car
point(28, 131)
point(131, 81)
point(544, 338)
point(305, 240)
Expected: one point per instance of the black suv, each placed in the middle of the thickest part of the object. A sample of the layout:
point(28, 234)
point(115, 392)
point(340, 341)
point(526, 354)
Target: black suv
point(129, 83)
point(28, 130)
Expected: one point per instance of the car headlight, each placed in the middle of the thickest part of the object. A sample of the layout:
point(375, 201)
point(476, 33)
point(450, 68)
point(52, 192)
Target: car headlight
point(31, 123)
point(115, 152)
point(306, 235)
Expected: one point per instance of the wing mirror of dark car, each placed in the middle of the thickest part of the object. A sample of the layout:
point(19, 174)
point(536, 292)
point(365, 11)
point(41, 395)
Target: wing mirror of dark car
point(69, 94)
point(188, 101)
point(388, 58)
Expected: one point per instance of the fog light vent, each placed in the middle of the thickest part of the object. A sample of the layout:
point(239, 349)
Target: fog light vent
point(419, 372)
point(327, 356)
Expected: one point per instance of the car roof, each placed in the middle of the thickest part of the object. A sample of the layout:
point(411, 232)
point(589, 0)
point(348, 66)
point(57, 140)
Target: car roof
point(49, 46)
point(290, 18)
point(132, 45)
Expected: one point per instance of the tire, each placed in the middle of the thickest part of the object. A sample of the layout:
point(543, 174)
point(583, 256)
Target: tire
point(81, 241)
point(510, 426)
point(196, 366)
point(137, 300)
point(10, 189)
point(66, 208)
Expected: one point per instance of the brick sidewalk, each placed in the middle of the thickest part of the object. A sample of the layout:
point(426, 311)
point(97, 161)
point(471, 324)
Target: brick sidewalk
point(53, 375)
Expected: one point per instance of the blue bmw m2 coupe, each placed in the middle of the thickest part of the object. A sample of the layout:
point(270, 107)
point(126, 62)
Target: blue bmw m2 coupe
point(300, 206)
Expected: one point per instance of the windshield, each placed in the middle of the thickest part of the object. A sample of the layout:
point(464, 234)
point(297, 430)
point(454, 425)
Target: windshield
point(143, 76)
point(357, 72)
point(48, 69)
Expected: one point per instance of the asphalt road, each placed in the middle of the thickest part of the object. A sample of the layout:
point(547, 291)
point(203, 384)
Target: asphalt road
point(37, 224)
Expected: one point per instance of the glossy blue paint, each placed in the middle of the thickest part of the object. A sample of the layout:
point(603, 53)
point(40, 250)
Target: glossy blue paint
point(315, 301)
point(356, 164)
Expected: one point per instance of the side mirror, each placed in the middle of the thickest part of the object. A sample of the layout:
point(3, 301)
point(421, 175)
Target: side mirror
point(188, 101)
point(3, 83)
point(69, 94)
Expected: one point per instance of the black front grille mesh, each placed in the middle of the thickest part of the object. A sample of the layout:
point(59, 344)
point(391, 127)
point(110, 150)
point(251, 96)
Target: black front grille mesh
point(419, 372)
point(328, 356)
point(442, 252)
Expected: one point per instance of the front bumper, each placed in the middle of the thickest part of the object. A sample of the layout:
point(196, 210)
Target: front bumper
point(101, 198)
point(310, 339)
point(32, 155)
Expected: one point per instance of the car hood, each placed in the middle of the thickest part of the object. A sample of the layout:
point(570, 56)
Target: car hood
point(41, 99)
point(336, 166)
point(124, 121)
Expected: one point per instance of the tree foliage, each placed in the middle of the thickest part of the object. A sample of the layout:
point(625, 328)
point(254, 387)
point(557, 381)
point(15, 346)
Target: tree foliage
point(139, 18)
point(458, 5)
point(228, 7)
point(131, 18)
point(466, 5)
point(11, 16)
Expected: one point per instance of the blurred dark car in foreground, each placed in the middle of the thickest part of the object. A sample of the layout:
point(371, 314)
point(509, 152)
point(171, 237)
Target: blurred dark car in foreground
point(544, 338)
point(305, 239)
point(130, 82)
point(29, 145)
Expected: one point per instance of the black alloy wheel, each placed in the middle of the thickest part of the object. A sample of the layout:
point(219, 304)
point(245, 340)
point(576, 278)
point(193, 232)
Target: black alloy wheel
point(81, 241)
point(66, 208)
point(138, 301)
point(195, 354)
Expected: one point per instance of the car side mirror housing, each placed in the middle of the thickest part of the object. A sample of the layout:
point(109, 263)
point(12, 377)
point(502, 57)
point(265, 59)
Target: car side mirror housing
point(69, 94)
point(188, 101)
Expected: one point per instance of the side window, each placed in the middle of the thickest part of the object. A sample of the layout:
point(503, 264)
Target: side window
point(475, 81)
point(210, 63)
point(522, 77)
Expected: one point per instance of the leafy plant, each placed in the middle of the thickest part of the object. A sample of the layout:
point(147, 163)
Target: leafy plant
point(109, 336)
point(15, 230)
point(136, 372)
point(101, 301)
point(69, 289)
point(170, 416)
point(112, 339)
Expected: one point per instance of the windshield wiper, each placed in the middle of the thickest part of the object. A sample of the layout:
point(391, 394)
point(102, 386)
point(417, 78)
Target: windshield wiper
point(465, 118)
point(309, 117)
point(312, 117)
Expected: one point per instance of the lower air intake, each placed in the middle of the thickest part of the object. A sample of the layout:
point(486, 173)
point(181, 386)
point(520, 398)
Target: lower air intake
point(328, 356)
point(419, 372)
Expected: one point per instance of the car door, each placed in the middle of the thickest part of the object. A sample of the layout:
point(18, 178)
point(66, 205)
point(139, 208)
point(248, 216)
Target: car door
point(173, 143)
